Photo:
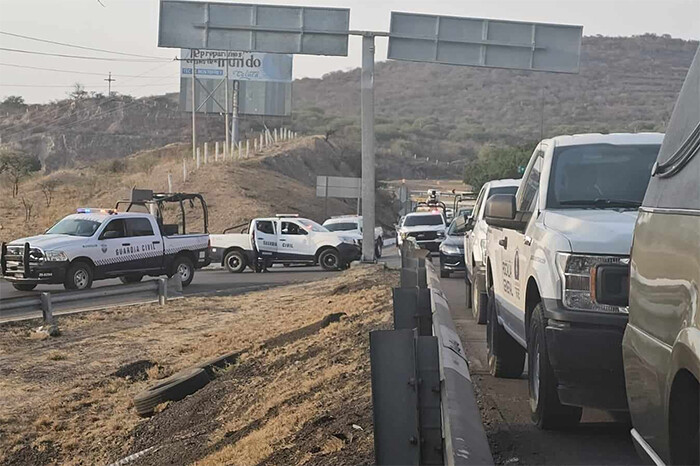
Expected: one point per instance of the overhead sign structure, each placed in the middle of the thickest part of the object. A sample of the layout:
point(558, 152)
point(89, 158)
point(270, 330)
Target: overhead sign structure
point(253, 28)
point(241, 66)
point(338, 186)
point(485, 42)
point(254, 97)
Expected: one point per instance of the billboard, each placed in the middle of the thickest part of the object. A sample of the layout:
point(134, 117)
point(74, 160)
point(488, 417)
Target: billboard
point(253, 28)
point(254, 97)
point(485, 42)
point(242, 66)
point(338, 186)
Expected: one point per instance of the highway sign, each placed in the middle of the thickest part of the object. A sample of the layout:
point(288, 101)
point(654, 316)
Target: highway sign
point(253, 28)
point(241, 66)
point(485, 42)
point(338, 186)
point(254, 97)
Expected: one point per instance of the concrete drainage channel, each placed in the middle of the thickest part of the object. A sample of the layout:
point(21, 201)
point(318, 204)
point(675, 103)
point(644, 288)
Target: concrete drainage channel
point(425, 409)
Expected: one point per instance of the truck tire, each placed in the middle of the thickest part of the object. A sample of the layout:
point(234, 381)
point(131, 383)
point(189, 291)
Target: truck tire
point(131, 278)
point(329, 259)
point(183, 265)
point(235, 261)
point(547, 411)
point(78, 276)
point(378, 248)
point(479, 303)
point(24, 286)
point(506, 357)
point(174, 388)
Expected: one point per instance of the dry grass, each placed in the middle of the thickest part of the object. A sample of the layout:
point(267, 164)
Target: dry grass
point(62, 404)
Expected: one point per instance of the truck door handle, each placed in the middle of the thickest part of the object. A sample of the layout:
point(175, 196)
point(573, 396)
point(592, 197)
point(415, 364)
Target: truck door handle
point(282, 240)
point(503, 242)
point(126, 244)
point(156, 242)
point(528, 241)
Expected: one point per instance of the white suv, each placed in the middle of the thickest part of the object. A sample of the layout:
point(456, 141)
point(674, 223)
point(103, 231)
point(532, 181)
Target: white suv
point(575, 208)
point(475, 245)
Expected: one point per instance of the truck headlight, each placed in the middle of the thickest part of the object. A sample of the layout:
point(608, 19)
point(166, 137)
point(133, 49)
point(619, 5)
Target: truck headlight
point(575, 273)
point(450, 249)
point(55, 256)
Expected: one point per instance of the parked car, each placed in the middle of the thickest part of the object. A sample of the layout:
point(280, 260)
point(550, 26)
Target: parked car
point(475, 245)
point(452, 249)
point(661, 345)
point(428, 229)
point(351, 225)
point(575, 208)
point(284, 239)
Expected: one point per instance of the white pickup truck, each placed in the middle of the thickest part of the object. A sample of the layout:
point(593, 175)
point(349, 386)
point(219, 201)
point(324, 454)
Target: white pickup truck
point(284, 239)
point(351, 225)
point(575, 208)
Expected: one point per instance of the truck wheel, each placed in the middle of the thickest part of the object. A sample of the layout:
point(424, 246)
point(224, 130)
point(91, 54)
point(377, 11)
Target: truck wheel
point(24, 286)
point(235, 261)
point(506, 356)
point(78, 276)
point(479, 303)
point(547, 412)
point(131, 278)
point(378, 247)
point(329, 259)
point(183, 266)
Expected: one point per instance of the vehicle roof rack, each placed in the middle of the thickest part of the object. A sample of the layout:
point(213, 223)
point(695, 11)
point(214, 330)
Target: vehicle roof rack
point(146, 197)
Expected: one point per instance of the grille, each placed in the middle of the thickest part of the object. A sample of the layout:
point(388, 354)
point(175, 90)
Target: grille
point(423, 235)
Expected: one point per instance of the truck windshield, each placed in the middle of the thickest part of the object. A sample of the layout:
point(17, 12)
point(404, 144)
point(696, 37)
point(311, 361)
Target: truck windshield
point(600, 175)
point(341, 226)
point(74, 227)
point(416, 220)
point(310, 225)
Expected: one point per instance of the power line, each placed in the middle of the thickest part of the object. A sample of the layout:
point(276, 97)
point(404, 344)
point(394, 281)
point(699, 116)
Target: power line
point(86, 73)
point(75, 46)
point(34, 52)
point(84, 85)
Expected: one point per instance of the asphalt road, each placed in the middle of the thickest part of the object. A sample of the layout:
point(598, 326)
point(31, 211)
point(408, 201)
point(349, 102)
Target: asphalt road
point(506, 413)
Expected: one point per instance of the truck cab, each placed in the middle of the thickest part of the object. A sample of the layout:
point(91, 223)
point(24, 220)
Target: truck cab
point(575, 208)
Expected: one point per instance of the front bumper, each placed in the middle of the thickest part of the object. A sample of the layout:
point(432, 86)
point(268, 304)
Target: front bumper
point(452, 262)
point(349, 252)
point(585, 351)
point(52, 272)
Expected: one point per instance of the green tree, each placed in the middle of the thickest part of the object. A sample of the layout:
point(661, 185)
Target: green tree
point(14, 101)
point(16, 166)
point(497, 162)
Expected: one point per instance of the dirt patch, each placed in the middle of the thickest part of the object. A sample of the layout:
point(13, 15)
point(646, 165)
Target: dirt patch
point(301, 382)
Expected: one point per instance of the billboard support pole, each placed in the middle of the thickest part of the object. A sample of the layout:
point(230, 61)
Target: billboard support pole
point(368, 169)
point(227, 148)
point(194, 109)
point(235, 123)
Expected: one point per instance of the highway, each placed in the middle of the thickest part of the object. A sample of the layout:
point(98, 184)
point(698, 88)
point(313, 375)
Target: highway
point(506, 413)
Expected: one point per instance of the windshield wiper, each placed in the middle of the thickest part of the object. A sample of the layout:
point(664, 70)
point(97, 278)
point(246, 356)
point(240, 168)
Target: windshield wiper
point(601, 202)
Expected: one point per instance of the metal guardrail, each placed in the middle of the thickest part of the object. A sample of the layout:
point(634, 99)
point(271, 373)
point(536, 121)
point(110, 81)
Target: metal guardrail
point(425, 409)
point(47, 304)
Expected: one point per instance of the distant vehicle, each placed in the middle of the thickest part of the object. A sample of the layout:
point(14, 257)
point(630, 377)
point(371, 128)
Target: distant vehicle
point(95, 244)
point(575, 208)
point(661, 346)
point(452, 249)
point(427, 228)
point(285, 239)
point(475, 247)
point(351, 225)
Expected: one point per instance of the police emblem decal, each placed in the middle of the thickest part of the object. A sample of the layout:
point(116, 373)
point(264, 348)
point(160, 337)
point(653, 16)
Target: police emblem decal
point(104, 248)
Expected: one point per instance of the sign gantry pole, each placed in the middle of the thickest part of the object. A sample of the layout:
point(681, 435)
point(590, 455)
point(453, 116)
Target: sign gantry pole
point(194, 109)
point(368, 169)
point(235, 123)
point(227, 149)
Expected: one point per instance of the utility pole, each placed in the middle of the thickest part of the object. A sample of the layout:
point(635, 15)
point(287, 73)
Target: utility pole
point(109, 80)
point(194, 107)
point(367, 104)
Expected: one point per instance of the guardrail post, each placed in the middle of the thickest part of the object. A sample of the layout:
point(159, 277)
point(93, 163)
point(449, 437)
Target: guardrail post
point(163, 291)
point(47, 308)
point(412, 310)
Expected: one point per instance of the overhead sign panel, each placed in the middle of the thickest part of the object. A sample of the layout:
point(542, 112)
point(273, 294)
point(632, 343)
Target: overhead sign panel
point(253, 28)
point(241, 66)
point(485, 42)
point(338, 186)
point(254, 97)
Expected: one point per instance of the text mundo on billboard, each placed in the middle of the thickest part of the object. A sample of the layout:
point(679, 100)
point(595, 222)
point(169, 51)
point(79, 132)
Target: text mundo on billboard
point(241, 66)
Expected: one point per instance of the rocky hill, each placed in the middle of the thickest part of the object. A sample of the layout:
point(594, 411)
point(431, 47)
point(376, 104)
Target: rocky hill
point(427, 115)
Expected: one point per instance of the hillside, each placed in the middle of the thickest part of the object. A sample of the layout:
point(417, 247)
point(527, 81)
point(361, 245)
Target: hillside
point(443, 113)
point(270, 182)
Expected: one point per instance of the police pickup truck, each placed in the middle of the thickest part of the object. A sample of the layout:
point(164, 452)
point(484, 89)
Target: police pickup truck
point(351, 225)
point(574, 209)
point(284, 239)
point(95, 244)
point(427, 228)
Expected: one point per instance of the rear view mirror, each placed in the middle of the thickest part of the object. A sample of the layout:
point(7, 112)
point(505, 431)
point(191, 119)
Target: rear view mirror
point(500, 211)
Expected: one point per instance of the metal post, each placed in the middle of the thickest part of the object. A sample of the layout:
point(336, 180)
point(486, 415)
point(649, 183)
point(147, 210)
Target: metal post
point(170, 183)
point(206, 153)
point(198, 158)
point(247, 147)
point(235, 123)
point(162, 291)
point(367, 100)
point(184, 170)
point(47, 308)
point(228, 135)
point(240, 150)
point(194, 108)
point(216, 151)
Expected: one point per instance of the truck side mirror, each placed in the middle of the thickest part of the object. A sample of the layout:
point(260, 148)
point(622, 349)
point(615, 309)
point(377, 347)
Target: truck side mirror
point(500, 211)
